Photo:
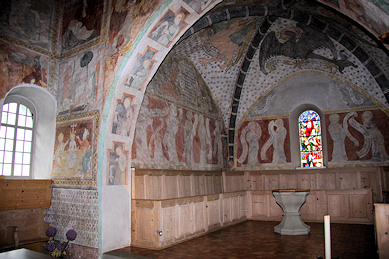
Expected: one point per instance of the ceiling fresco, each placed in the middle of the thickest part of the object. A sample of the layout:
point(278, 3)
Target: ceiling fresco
point(244, 50)
point(217, 52)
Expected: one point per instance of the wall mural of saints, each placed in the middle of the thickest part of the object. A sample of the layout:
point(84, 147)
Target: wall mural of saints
point(21, 66)
point(167, 135)
point(178, 81)
point(226, 42)
point(73, 155)
point(81, 23)
point(118, 159)
point(263, 142)
point(30, 21)
point(170, 25)
point(123, 116)
point(358, 136)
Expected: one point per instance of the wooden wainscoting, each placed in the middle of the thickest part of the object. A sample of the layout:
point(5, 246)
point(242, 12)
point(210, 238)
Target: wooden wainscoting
point(157, 224)
point(344, 206)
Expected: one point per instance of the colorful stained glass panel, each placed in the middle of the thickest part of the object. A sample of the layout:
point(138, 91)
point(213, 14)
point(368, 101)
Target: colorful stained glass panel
point(310, 139)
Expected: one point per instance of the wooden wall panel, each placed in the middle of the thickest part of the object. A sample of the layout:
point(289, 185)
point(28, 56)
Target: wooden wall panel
point(185, 221)
point(199, 225)
point(218, 183)
point(154, 187)
point(347, 180)
point(226, 202)
point(214, 214)
point(25, 194)
point(168, 220)
point(256, 182)
point(306, 181)
point(325, 181)
point(170, 186)
point(138, 186)
point(271, 181)
point(288, 181)
point(337, 206)
point(243, 206)
point(382, 229)
point(209, 184)
point(309, 208)
point(344, 206)
point(184, 186)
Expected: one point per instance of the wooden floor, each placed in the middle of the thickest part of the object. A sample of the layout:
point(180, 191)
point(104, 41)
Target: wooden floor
point(256, 239)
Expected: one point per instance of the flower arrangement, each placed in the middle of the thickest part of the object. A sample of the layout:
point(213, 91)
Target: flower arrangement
point(55, 247)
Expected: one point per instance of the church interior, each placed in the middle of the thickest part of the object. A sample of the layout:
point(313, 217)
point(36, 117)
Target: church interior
point(152, 124)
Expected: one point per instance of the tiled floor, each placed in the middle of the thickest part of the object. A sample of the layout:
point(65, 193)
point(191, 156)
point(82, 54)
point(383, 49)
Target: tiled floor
point(256, 239)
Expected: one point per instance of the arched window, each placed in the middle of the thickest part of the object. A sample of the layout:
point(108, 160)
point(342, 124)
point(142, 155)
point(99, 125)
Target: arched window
point(16, 139)
point(27, 117)
point(297, 127)
point(310, 139)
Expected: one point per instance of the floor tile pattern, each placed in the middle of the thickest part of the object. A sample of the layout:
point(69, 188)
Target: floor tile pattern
point(256, 239)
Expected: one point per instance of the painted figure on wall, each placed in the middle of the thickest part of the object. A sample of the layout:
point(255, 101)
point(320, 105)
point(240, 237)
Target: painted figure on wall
point(73, 150)
point(249, 138)
point(226, 42)
point(29, 21)
point(142, 67)
point(201, 133)
point(374, 141)
point(83, 71)
point(198, 6)
point(144, 128)
point(117, 165)
point(81, 23)
point(277, 140)
point(218, 143)
point(169, 27)
point(123, 116)
point(338, 135)
point(178, 81)
point(169, 141)
point(21, 66)
point(190, 129)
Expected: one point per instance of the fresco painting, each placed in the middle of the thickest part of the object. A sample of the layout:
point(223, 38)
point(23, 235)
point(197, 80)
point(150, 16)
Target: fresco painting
point(29, 20)
point(226, 42)
point(198, 6)
point(118, 158)
point(141, 69)
point(263, 142)
point(81, 23)
point(170, 25)
point(300, 43)
point(124, 115)
point(21, 66)
point(177, 80)
point(358, 136)
point(169, 135)
point(73, 155)
point(83, 71)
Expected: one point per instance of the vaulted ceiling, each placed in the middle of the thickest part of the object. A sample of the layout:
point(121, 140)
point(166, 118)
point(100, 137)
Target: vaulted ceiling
point(242, 49)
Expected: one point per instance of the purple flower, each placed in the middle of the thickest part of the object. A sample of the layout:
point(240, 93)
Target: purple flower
point(71, 234)
point(51, 231)
point(50, 247)
point(59, 246)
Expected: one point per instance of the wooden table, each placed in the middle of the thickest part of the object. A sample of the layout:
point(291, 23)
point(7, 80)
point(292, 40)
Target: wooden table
point(23, 254)
point(291, 201)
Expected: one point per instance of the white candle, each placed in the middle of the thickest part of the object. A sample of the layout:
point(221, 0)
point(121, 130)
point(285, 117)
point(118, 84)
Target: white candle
point(327, 237)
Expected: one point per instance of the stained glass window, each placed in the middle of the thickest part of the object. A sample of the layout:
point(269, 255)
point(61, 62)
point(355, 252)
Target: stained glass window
point(311, 152)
